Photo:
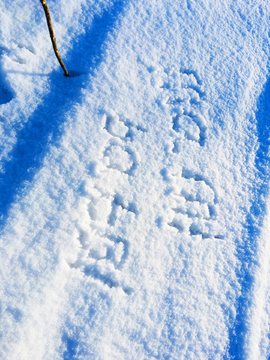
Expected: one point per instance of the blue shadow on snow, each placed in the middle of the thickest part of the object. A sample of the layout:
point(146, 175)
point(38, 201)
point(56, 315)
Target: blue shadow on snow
point(71, 347)
point(6, 93)
point(44, 126)
point(247, 252)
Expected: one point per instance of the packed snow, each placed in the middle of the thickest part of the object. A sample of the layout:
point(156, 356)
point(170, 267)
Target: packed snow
point(134, 195)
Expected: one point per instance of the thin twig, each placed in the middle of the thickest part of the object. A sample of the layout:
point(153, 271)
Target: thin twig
point(49, 22)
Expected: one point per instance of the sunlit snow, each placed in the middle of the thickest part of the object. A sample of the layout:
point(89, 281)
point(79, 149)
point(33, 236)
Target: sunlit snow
point(134, 195)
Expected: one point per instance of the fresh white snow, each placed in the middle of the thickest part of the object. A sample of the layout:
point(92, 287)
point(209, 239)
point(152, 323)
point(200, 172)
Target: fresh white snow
point(134, 196)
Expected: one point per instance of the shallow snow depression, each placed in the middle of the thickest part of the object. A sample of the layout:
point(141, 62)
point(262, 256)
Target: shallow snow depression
point(134, 197)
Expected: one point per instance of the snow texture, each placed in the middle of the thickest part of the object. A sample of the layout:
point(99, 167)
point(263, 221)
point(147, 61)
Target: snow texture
point(134, 195)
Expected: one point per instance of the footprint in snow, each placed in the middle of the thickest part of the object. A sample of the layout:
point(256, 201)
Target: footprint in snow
point(184, 98)
point(192, 203)
point(20, 54)
point(119, 154)
point(103, 253)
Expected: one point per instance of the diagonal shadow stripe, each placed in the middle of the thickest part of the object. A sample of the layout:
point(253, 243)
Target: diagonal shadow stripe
point(44, 125)
point(246, 253)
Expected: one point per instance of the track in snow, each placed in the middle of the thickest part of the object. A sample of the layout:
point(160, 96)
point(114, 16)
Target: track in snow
point(103, 252)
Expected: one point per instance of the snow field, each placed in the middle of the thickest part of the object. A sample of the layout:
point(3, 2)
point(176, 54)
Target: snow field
point(124, 244)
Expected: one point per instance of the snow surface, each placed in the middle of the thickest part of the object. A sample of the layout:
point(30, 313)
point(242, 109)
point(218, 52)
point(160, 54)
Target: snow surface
point(134, 196)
